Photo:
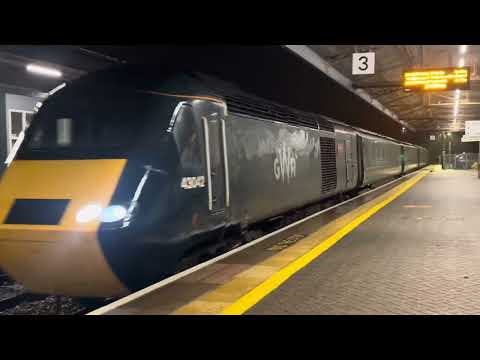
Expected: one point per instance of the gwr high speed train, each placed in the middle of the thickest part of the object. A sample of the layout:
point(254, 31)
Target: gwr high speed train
point(121, 175)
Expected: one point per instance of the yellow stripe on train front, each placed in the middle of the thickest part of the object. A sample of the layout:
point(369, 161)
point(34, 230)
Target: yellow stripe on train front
point(64, 258)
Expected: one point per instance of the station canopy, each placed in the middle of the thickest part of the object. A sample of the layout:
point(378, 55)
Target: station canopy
point(443, 110)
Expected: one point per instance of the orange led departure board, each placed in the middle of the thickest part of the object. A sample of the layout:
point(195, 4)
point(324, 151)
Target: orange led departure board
point(440, 79)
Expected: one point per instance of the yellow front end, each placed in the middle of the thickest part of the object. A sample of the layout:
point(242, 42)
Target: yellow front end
point(65, 258)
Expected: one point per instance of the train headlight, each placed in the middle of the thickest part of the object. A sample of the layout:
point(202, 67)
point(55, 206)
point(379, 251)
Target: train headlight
point(88, 213)
point(114, 213)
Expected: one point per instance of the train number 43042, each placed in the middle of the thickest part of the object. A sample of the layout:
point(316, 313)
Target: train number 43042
point(193, 182)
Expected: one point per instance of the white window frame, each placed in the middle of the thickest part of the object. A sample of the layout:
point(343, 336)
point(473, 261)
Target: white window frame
point(9, 126)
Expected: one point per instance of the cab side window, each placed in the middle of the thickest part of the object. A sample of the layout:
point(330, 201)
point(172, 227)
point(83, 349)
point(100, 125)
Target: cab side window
point(188, 140)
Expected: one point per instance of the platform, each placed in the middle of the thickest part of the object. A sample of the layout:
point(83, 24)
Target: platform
point(414, 249)
point(418, 255)
point(374, 254)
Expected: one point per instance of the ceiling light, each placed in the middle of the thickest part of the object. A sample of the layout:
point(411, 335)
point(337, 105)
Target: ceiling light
point(59, 87)
point(461, 62)
point(42, 70)
point(463, 49)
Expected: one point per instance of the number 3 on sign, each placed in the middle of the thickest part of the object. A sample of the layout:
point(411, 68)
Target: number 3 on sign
point(363, 63)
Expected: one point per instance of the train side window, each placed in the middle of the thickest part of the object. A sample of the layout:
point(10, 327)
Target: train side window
point(348, 149)
point(188, 140)
point(64, 131)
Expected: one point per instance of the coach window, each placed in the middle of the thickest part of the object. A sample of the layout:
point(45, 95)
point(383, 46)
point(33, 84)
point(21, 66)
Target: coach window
point(64, 132)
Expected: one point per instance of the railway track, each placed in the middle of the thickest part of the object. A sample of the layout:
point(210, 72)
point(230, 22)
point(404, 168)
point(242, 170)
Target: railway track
point(4, 278)
point(39, 304)
point(15, 300)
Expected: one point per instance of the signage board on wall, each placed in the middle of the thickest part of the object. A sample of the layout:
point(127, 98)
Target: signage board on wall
point(363, 63)
point(441, 79)
point(472, 128)
point(466, 138)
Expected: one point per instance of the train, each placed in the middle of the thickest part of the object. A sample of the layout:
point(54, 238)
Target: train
point(124, 173)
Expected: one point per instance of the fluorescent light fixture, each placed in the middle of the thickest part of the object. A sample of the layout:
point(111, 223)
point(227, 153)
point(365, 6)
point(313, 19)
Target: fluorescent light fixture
point(463, 49)
point(59, 87)
point(457, 94)
point(42, 70)
point(38, 105)
point(461, 62)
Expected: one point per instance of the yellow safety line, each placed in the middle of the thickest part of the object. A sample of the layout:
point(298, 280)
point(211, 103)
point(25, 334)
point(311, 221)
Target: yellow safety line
point(255, 295)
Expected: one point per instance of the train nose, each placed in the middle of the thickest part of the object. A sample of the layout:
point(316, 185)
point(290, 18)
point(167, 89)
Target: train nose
point(50, 213)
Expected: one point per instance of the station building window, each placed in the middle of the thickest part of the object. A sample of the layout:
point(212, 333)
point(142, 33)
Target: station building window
point(17, 121)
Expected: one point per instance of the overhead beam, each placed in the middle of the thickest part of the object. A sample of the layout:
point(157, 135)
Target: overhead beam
point(452, 104)
point(421, 120)
point(411, 110)
point(379, 84)
point(102, 56)
point(316, 60)
point(439, 118)
point(399, 97)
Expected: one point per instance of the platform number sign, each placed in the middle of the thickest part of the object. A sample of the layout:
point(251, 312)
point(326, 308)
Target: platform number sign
point(363, 63)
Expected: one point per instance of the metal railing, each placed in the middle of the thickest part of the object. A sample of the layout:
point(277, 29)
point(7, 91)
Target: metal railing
point(463, 161)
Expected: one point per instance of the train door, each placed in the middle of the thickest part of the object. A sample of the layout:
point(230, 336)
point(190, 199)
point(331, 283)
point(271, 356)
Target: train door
point(351, 161)
point(402, 157)
point(215, 147)
point(360, 165)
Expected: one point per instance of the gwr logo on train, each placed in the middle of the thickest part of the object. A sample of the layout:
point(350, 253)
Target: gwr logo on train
point(284, 165)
